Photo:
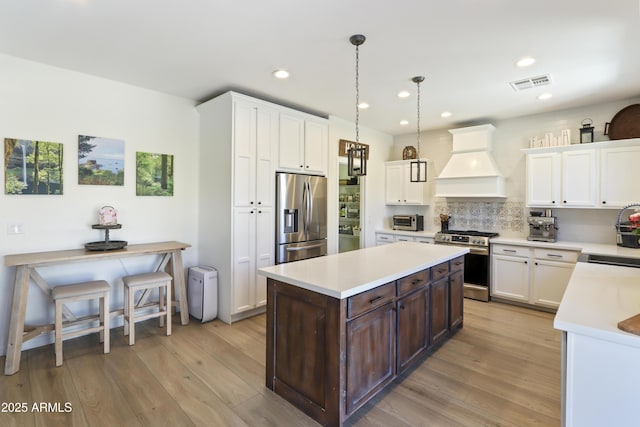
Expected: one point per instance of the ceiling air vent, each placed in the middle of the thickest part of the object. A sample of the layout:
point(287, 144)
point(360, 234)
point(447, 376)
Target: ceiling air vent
point(531, 82)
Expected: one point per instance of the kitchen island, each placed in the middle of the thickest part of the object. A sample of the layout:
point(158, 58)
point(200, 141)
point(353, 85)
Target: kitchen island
point(342, 327)
point(601, 379)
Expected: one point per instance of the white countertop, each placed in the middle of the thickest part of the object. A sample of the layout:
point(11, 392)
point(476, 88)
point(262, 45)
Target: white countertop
point(597, 298)
point(427, 233)
point(585, 247)
point(349, 273)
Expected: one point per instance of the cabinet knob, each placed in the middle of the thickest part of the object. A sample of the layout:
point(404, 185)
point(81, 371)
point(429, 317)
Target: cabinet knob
point(564, 201)
point(251, 202)
point(301, 166)
point(526, 262)
point(251, 212)
point(259, 211)
point(553, 202)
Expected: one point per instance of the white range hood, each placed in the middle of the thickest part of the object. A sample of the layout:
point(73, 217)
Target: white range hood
point(471, 171)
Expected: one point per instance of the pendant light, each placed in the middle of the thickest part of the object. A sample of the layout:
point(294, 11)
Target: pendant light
point(418, 167)
point(357, 153)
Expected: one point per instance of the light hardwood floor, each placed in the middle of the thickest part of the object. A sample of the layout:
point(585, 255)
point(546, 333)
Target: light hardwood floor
point(501, 369)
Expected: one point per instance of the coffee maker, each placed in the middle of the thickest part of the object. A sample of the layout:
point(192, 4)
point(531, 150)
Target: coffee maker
point(542, 226)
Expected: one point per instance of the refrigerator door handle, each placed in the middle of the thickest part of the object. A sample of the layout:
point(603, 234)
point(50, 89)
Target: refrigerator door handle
point(304, 248)
point(305, 204)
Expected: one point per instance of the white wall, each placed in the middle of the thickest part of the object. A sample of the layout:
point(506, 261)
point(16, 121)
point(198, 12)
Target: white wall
point(372, 185)
point(39, 102)
point(588, 225)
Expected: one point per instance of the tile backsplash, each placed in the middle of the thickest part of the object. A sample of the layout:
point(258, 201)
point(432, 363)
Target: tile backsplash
point(505, 217)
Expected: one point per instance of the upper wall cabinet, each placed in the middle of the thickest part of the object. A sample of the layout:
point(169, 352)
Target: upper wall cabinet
point(399, 190)
point(303, 144)
point(583, 176)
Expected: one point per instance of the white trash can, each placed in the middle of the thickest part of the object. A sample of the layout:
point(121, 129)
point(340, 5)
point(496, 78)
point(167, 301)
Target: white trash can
point(203, 293)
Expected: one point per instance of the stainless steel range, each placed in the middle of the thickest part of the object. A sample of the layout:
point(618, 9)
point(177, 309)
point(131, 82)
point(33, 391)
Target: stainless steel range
point(476, 262)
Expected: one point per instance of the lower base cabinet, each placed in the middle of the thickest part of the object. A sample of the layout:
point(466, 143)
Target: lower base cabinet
point(329, 357)
point(534, 276)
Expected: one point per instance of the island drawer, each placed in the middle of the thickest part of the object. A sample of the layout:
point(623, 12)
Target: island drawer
point(369, 300)
point(439, 271)
point(457, 264)
point(413, 281)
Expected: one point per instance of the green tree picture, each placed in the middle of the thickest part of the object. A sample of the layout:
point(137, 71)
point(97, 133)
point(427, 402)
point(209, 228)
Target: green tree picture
point(32, 167)
point(154, 174)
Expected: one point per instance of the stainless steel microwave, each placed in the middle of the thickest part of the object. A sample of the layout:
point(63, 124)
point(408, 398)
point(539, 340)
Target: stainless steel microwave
point(408, 222)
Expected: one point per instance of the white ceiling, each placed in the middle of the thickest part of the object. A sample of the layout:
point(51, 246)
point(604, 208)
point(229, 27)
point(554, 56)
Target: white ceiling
point(466, 49)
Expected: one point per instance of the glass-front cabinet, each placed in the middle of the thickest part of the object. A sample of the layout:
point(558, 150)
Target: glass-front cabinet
point(349, 215)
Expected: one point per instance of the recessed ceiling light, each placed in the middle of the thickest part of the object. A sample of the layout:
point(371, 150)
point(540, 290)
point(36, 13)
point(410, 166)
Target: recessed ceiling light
point(281, 74)
point(403, 94)
point(544, 96)
point(363, 105)
point(445, 114)
point(525, 62)
point(404, 122)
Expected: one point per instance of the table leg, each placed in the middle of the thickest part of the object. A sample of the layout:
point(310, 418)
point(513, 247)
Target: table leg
point(16, 323)
point(180, 286)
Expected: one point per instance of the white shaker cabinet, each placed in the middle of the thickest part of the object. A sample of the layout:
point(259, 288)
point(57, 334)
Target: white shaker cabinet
point(304, 143)
point(238, 154)
point(399, 190)
point(549, 280)
point(596, 175)
point(567, 179)
point(618, 188)
point(510, 272)
point(579, 178)
point(537, 276)
point(543, 179)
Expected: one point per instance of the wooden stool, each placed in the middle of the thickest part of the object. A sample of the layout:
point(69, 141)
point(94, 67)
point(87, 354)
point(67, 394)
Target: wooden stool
point(98, 289)
point(145, 282)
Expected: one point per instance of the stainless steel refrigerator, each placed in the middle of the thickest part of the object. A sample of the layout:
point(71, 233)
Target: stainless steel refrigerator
point(301, 217)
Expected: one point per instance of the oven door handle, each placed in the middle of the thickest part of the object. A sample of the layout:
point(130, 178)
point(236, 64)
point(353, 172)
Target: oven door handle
point(478, 251)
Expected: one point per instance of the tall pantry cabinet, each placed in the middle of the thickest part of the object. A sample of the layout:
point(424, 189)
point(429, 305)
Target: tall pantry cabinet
point(238, 153)
point(244, 141)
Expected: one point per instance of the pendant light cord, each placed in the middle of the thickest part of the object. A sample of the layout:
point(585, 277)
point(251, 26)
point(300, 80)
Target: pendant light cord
point(357, 93)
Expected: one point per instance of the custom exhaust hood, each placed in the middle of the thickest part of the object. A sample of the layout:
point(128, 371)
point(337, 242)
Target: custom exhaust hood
point(471, 171)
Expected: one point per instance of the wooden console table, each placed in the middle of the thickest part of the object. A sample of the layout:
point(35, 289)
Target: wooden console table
point(26, 265)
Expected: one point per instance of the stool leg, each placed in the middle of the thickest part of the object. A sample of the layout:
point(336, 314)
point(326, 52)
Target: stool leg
point(58, 331)
point(106, 322)
point(168, 308)
point(161, 305)
point(126, 310)
point(132, 316)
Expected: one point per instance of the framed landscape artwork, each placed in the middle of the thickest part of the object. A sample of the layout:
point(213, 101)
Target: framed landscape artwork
point(100, 161)
point(154, 174)
point(32, 167)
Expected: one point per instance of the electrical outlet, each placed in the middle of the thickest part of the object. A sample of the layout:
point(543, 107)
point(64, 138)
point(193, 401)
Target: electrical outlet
point(16, 228)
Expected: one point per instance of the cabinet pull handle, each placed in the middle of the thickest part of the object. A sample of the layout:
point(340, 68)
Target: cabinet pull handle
point(509, 250)
point(402, 307)
point(458, 263)
point(378, 298)
point(555, 256)
point(415, 281)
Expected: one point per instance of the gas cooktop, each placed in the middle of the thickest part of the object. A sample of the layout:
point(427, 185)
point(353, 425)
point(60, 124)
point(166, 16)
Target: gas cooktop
point(464, 237)
point(474, 233)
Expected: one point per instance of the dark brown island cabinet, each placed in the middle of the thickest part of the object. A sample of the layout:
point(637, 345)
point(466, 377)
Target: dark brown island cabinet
point(329, 356)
